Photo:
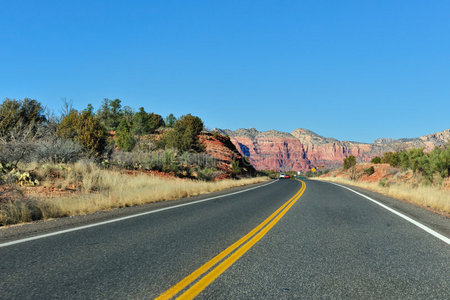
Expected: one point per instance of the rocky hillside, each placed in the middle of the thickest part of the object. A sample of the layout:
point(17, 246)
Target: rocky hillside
point(303, 149)
point(225, 153)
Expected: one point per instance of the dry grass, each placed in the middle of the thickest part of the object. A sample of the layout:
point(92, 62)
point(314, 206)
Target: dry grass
point(424, 195)
point(103, 190)
point(125, 191)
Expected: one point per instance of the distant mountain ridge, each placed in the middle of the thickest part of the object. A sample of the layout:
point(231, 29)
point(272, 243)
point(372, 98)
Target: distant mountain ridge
point(303, 149)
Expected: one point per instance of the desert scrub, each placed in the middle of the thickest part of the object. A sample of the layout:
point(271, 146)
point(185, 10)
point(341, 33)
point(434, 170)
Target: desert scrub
point(15, 207)
point(124, 190)
point(113, 190)
point(369, 171)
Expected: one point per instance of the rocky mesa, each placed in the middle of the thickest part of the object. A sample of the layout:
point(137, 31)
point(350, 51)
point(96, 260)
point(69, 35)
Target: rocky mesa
point(303, 149)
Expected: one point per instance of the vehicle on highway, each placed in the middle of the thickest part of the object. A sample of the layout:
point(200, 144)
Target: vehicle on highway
point(287, 176)
point(282, 176)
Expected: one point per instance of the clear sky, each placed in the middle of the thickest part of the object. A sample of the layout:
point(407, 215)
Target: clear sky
point(352, 70)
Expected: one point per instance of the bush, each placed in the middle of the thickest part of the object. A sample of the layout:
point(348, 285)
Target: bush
point(206, 174)
point(430, 165)
point(235, 168)
point(144, 123)
point(19, 115)
point(183, 136)
point(201, 160)
point(125, 140)
point(395, 159)
point(383, 183)
point(16, 151)
point(57, 150)
point(170, 162)
point(20, 210)
point(84, 129)
point(349, 162)
point(170, 120)
point(369, 171)
point(376, 160)
point(439, 160)
point(110, 114)
point(386, 158)
point(155, 121)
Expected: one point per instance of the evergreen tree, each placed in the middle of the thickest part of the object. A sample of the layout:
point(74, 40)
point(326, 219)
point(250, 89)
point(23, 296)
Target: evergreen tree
point(184, 134)
point(125, 140)
point(84, 129)
point(110, 114)
point(141, 124)
point(155, 121)
point(170, 120)
point(349, 162)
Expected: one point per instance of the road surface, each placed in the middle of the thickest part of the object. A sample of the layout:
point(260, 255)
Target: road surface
point(285, 240)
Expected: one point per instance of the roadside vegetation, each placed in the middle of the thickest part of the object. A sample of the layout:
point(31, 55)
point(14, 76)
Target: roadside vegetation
point(86, 160)
point(414, 175)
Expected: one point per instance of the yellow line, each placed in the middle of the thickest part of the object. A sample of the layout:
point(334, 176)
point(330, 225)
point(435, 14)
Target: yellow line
point(222, 267)
point(193, 276)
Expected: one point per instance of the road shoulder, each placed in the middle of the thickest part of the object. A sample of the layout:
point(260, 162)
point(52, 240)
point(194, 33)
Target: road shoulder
point(25, 230)
point(437, 222)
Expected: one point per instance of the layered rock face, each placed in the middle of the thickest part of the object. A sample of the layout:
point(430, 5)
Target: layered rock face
point(302, 149)
point(225, 153)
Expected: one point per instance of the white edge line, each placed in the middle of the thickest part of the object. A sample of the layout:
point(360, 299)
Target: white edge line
point(420, 225)
point(124, 218)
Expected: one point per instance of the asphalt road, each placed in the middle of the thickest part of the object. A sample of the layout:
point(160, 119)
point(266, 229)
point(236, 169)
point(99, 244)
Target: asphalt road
point(330, 243)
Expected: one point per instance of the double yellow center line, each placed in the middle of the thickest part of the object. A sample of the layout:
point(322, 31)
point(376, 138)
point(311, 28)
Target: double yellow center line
point(245, 243)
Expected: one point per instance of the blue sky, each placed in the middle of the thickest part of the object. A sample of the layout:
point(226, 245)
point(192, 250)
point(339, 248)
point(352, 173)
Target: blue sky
point(353, 70)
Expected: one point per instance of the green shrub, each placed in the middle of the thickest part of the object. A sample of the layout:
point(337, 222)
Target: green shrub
point(431, 164)
point(110, 114)
point(155, 121)
point(170, 120)
point(417, 159)
point(84, 129)
point(439, 160)
point(206, 174)
point(183, 136)
point(395, 159)
point(404, 160)
point(376, 160)
point(386, 158)
point(125, 139)
point(235, 168)
point(349, 162)
point(170, 162)
point(20, 115)
point(140, 123)
point(369, 171)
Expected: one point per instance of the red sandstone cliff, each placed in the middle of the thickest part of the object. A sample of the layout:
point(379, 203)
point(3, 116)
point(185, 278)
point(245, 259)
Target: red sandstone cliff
point(303, 149)
point(224, 151)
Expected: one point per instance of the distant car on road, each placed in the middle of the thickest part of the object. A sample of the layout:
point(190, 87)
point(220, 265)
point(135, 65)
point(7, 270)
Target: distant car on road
point(287, 176)
point(282, 176)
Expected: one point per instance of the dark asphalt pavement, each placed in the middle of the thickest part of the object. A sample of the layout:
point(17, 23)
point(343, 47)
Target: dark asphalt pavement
point(332, 243)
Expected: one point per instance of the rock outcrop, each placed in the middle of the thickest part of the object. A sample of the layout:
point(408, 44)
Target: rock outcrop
point(225, 153)
point(303, 149)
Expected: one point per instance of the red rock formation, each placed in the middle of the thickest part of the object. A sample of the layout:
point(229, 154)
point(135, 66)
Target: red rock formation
point(273, 153)
point(225, 152)
point(303, 149)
